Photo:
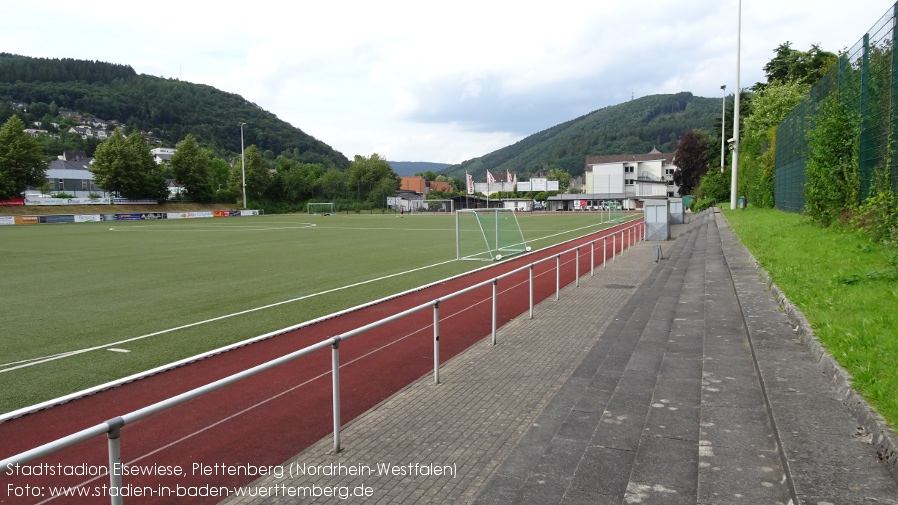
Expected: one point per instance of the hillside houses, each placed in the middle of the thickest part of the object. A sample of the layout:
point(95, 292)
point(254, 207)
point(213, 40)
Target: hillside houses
point(90, 127)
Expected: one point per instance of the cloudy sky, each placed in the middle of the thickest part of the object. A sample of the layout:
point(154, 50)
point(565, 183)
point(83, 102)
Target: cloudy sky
point(441, 82)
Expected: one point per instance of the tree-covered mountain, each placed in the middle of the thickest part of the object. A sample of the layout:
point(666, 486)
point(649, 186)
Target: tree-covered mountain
point(633, 127)
point(169, 108)
point(408, 168)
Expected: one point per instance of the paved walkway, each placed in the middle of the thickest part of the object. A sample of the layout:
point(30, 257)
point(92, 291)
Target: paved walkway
point(676, 382)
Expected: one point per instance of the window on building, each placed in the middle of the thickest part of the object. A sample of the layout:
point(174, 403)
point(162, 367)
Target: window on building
point(631, 182)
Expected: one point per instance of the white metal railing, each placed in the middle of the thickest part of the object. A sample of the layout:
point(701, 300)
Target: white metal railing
point(112, 428)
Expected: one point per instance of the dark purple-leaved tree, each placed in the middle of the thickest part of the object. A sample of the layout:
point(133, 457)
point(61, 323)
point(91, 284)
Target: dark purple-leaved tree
point(691, 160)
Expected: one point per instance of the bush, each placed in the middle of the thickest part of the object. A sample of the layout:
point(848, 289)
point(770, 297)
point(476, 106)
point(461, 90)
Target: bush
point(715, 186)
point(878, 216)
point(703, 204)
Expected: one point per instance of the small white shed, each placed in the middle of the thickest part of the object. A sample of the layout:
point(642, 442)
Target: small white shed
point(657, 219)
point(677, 212)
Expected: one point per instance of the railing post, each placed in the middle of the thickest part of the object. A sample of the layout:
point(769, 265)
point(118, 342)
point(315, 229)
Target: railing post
point(531, 291)
point(613, 246)
point(115, 459)
point(335, 374)
point(592, 258)
point(557, 276)
point(577, 266)
point(604, 252)
point(495, 295)
point(436, 342)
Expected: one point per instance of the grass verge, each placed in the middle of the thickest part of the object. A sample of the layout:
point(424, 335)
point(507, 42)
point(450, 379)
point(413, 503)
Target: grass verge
point(847, 287)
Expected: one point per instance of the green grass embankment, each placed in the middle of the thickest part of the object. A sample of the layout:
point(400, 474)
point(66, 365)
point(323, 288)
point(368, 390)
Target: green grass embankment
point(847, 287)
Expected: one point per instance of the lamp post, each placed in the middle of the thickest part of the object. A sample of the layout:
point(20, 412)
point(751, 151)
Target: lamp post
point(723, 122)
point(242, 164)
point(734, 187)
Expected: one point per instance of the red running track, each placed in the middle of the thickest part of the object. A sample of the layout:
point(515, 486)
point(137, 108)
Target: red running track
point(269, 418)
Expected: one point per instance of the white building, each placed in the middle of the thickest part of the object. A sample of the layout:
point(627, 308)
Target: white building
point(627, 178)
point(162, 154)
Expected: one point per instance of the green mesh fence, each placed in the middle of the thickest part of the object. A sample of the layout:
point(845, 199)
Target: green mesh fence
point(866, 82)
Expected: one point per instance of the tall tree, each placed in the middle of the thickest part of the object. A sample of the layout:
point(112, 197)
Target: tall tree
point(791, 65)
point(302, 181)
point(691, 160)
point(333, 184)
point(125, 167)
point(257, 175)
point(190, 165)
point(218, 174)
point(365, 176)
point(563, 178)
point(21, 161)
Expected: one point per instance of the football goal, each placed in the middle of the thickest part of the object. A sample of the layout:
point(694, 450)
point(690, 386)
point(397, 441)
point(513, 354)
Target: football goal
point(487, 234)
point(610, 212)
point(325, 209)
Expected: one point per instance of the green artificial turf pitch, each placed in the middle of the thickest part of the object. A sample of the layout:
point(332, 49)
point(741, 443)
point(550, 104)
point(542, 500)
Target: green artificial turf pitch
point(74, 287)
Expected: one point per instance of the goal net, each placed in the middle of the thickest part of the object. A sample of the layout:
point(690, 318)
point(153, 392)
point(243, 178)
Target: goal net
point(487, 234)
point(320, 208)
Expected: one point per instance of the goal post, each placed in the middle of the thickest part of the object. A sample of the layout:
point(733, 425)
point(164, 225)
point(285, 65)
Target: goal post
point(488, 234)
point(323, 208)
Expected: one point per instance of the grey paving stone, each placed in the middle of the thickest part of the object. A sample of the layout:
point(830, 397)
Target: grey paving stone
point(667, 462)
point(602, 476)
point(678, 392)
point(677, 422)
point(757, 477)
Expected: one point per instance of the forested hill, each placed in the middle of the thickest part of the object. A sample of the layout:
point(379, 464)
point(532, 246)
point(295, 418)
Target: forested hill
point(633, 127)
point(407, 168)
point(168, 107)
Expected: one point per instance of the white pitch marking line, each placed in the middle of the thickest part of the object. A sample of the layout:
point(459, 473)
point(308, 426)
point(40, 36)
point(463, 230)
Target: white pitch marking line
point(45, 359)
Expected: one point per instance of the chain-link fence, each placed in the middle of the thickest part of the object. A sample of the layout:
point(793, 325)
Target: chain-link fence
point(866, 82)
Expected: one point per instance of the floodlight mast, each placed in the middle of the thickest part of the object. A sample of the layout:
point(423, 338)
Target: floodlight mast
point(243, 164)
point(723, 120)
point(734, 186)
